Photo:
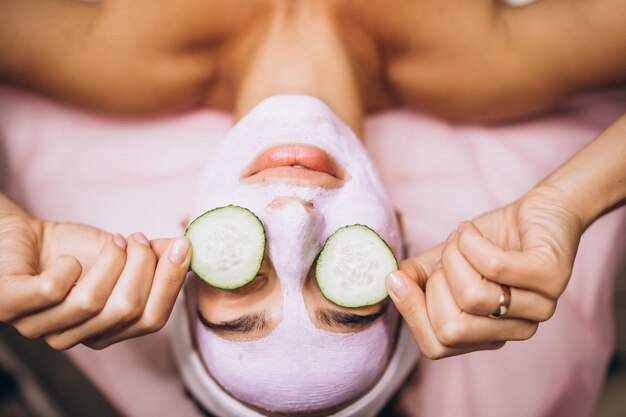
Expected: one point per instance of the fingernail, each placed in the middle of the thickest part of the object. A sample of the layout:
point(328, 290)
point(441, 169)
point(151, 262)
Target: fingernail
point(179, 250)
point(396, 284)
point(461, 226)
point(451, 236)
point(141, 238)
point(119, 241)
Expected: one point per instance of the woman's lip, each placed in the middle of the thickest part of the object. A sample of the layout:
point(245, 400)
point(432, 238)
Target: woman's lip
point(297, 164)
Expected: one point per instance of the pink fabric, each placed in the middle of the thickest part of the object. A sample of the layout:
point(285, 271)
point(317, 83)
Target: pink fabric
point(126, 176)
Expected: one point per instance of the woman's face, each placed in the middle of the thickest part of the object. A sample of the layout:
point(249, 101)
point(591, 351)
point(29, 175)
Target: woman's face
point(277, 343)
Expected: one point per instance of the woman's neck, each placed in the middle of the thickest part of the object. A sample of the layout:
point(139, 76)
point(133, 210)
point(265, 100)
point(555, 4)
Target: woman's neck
point(300, 52)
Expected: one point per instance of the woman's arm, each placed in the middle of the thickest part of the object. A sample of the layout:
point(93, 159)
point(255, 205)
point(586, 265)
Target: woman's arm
point(447, 294)
point(120, 57)
point(595, 178)
point(40, 41)
point(483, 60)
point(554, 49)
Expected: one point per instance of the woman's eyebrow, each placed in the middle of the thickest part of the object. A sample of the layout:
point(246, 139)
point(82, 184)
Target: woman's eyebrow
point(332, 317)
point(246, 323)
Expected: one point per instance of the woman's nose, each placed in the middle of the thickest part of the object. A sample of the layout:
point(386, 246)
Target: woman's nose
point(282, 201)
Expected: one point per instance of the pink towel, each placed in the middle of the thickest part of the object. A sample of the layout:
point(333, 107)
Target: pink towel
point(125, 176)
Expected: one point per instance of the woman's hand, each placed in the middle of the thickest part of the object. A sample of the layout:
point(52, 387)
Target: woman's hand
point(73, 283)
point(447, 294)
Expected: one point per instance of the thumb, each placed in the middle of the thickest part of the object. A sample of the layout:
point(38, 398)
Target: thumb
point(406, 295)
point(410, 301)
point(24, 294)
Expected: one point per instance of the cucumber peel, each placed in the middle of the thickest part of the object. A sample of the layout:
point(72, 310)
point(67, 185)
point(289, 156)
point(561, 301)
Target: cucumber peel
point(352, 267)
point(228, 246)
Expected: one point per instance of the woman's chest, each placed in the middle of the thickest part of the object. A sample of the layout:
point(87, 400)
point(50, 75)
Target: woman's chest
point(388, 46)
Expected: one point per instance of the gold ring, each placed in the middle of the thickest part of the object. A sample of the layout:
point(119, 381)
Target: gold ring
point(505, 302)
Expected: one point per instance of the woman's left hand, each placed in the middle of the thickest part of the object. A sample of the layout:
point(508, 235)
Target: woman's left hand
point(447, 294)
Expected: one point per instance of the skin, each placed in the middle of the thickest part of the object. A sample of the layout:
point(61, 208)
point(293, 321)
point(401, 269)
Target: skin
point(476, 61)
point(72, 283)
point(530, 245)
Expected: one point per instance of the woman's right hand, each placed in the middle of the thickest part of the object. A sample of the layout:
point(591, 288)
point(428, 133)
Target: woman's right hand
point(72, 283)
point(25, 286)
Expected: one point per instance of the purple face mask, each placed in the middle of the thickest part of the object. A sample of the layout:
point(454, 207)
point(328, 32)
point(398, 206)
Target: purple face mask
point(298, 367)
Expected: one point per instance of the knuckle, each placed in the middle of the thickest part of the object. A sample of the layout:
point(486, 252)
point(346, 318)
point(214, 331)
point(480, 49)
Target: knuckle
point(51, 290)
point(558, 277)
point(547, 311)
point(493, 267)
point(57, 343)
point(27, 331)
point(435, 352)
point(555, 288)
point(450, 334)
point(471, 300)
point(87, 304)
point(126, 310)
point(153, 322)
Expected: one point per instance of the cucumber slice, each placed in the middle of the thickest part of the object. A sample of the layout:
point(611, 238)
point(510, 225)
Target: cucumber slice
point(352, 267)
point(228, 246)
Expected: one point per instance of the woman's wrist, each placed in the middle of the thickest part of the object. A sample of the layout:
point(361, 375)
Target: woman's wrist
point(594, 179)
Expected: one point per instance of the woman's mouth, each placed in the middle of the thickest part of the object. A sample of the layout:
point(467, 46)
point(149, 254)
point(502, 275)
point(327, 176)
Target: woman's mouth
point(296, 164)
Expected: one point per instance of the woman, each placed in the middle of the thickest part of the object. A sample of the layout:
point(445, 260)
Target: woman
point(298, 168)
point(338, 81)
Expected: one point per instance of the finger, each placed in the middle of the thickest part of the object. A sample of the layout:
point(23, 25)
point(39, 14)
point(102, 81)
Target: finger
point(472, 293)
point(168, 280)
point(455, 328)
point(420, 267)
point(86, 299)
point(126, 302)
point(479, 296)
point(160, 246)
point(25, 294)
point(536, 268)
point(410, 301)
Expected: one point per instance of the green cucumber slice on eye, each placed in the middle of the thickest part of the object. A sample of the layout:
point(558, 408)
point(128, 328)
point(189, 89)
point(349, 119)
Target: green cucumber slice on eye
point(228, 246)
point(352, 267)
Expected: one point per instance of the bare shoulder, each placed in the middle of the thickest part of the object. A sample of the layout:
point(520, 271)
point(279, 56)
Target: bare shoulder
point(141, 59)
point(483, 60)
point(122, 57)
